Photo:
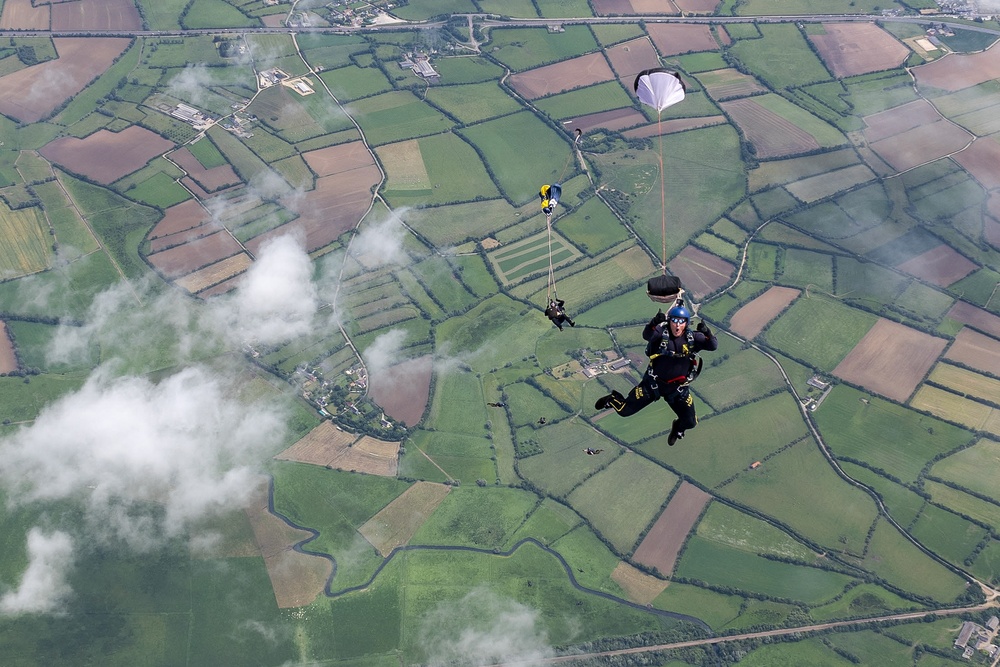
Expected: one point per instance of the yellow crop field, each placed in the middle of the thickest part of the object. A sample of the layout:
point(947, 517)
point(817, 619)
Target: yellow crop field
point(405, 166)
point(24, 243)
point(958, 409)
point(966, 382)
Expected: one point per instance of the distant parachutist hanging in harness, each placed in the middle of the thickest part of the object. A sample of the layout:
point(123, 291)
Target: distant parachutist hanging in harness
point(549, 194)
point(555, 308)
point(661, 88)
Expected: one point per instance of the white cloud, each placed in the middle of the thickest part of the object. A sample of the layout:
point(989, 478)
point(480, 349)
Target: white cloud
point(277, 299)
point(147, 459)
point(380, 243)
point(190, 84)
point(43, 588)
point(483, 629)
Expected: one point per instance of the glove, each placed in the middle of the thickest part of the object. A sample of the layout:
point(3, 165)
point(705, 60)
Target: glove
point(659, 317)
point(703, 328)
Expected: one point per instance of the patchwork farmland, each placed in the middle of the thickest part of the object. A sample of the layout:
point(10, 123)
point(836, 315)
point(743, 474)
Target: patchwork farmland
point(356, 213)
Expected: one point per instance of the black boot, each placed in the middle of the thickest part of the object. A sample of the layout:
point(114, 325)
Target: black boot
point(605, 401)
point(675, 435)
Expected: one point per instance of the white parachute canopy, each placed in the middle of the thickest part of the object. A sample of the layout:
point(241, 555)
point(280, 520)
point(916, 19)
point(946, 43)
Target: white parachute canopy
point(659, 88)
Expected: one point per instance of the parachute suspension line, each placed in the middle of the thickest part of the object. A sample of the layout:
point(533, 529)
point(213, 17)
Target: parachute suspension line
point(552, 275)
point(663, 200)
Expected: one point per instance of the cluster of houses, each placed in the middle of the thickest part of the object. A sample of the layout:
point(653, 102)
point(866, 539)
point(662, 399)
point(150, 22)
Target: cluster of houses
point(973, 637)
point(810, 402)
point(593, 364)
point(355, 14)
point(192, 116)
point(420, 63)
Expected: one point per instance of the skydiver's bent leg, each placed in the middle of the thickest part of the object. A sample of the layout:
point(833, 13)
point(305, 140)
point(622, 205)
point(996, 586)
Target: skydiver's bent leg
point(626, 406)
point(682, 403)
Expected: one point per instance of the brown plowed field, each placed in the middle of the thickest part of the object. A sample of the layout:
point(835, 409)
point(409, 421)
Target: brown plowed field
point(609, 7)
point(957, 71)
point(210, 180)
point(8, 360)
point(671, 39)
point(653, 7)
point(640, 587)
point(664, 540)
point(976, 317)
point(106, 156)
point(197, 254)
point(849, 49)
point(632, 57)
point(338, 159)
point(80, 61)
point(396, 523)
point(771, 135)
point(697, 6)
point(297, 578)
point(566, 75)
point(96, 15)
point(221, 288)
point(922, 144)
point(214, 274)
point(21, 15)
point(678, 125)
point(180, 218)
point(326, 445)
point(751, 319)
point(402, 390)
point(981, 160)
point(976, 350)
point(700, 272)
point(335, 206)
point(166, 242)
point(940, 265)
point(891, 359)
point(616, 119)
point(899, 119)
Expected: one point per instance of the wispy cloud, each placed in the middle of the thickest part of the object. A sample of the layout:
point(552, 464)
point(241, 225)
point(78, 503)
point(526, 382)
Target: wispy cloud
point(43, 587)
point(483, 629)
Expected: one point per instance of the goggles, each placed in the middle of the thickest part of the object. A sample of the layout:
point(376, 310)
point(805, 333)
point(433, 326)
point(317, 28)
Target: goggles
point(677, 320)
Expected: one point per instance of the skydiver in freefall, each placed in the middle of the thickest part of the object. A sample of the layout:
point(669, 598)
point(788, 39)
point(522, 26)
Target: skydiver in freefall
point(673, 364)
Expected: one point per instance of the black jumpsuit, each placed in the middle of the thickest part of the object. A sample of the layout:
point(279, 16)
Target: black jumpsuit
point(666, 375)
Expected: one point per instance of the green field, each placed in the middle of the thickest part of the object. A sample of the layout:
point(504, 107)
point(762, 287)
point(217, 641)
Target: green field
point(893, 557)
point(781, 57)
point(473, 102)
point(352, 82)
point(528, 558)
point(801, 472)
point(454, 172)
point(505, 159)
point(723, 524)
point(720, 565)
point(623, 499)
point(592, 99)
point(397, 115)
point(883, 434)
point(819, 329)
point(969, 468)
point(524, 48)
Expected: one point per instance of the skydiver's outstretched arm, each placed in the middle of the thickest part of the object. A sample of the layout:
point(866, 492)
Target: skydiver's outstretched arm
point(651, 330)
